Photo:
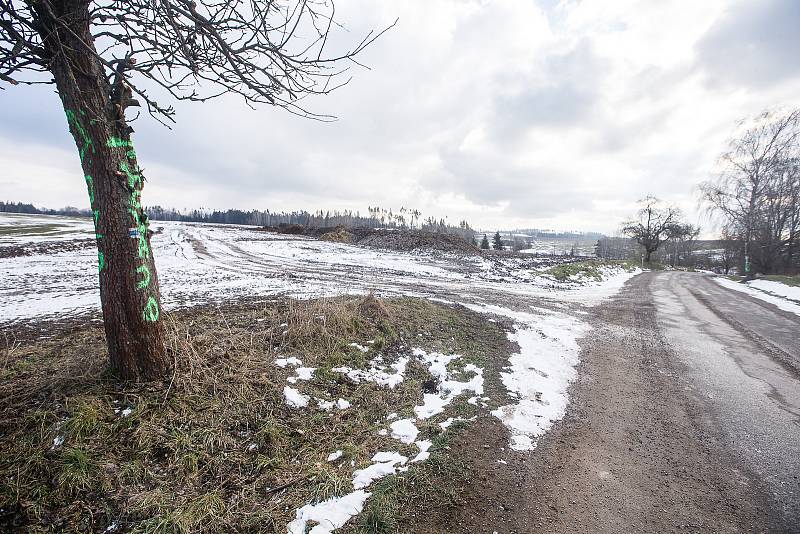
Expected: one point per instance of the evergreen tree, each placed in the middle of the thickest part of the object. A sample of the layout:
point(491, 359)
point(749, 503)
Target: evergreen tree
point(485, 243)
point(498, 241)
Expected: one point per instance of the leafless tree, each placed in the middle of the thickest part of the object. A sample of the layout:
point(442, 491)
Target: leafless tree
point(757, 188)
point(682, 238)
point(731, 249)
point(519, 243)
point(106, 56)
point(652, 225)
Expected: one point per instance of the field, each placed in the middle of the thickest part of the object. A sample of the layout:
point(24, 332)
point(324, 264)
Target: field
point(311, 380)
point(48, 268)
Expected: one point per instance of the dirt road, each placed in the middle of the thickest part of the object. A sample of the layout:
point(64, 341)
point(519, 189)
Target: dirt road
point(681, 422)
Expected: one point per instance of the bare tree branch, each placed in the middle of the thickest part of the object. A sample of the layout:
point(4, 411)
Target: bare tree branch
point(263, 50)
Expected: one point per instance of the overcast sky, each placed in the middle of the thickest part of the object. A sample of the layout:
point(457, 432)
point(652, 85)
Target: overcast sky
point(515, 113)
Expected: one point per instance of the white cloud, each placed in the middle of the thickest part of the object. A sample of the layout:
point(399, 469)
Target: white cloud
point(508, 112)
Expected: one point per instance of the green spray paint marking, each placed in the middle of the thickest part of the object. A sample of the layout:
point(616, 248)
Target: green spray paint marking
point(86, 147)
point(150, 312)
point(135, 202)
point(75, 121)
point(90, 186)
point(116, 142)
point(145, 281)
point(134, 177)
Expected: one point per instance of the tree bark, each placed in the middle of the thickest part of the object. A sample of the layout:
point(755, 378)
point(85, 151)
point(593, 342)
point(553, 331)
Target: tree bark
point(129, 291)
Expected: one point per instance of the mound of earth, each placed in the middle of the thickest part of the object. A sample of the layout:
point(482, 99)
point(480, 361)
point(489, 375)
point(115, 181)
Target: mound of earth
point(406, 240)
point(339, 235)
point(46, 247)
point(391, 239)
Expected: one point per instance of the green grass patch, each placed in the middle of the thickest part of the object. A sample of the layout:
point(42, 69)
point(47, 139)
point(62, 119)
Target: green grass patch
point(396, 498)
point(581, 271)
point(577, 271)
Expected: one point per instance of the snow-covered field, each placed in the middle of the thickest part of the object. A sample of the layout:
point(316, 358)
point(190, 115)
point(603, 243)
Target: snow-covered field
point(206, 263)
point(561, 247)
point(200, 263)
point(783, 296)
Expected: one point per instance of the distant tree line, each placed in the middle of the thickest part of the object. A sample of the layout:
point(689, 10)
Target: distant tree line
point(553, 234)
point(21, 207)
point(405, 219)
point(376, 217)
point(677, 250)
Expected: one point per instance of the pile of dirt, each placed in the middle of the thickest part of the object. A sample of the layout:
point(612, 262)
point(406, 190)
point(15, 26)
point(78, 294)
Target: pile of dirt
point(46, 247)
point(338, 235)
point(384, 238)
point(283, 228)
point(408, 240)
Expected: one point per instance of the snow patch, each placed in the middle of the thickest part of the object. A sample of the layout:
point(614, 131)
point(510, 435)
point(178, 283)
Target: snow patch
point(377, 373)
point(423, 445)
point(540, 373)
point(283, 362)
point(294, 398)
point(404, 430)
point(775, 296)
point(303, 373)
point(328, 515)
point(777, 288)
point(384, 465)
point(447, 388)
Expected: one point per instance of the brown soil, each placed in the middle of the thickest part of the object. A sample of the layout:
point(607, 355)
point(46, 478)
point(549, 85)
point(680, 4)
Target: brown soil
point(389, 239)
point(408, 240)
point(339, 235)
point(46, 247)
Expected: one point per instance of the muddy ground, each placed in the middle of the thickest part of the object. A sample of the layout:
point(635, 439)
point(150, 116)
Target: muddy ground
point(638, 451)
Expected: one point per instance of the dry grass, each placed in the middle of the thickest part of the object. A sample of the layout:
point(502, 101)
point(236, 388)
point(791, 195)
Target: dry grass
point(339, 235)
point(213, 448)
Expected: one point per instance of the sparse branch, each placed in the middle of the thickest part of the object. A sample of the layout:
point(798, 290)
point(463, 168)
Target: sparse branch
point(265, 51)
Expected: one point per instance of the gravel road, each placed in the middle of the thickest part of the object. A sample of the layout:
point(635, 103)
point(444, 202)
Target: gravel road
point(682, 420)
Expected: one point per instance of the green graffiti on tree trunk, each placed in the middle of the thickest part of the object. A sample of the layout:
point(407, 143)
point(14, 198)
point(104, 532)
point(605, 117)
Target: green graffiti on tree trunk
point(131, 171)
point(145, 281)
point(90, 187)
point(151, 310)
point(75, 122)
point(116, 142)
point(85, 149)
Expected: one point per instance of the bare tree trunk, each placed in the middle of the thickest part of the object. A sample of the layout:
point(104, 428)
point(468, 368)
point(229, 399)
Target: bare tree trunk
point(129, 290)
